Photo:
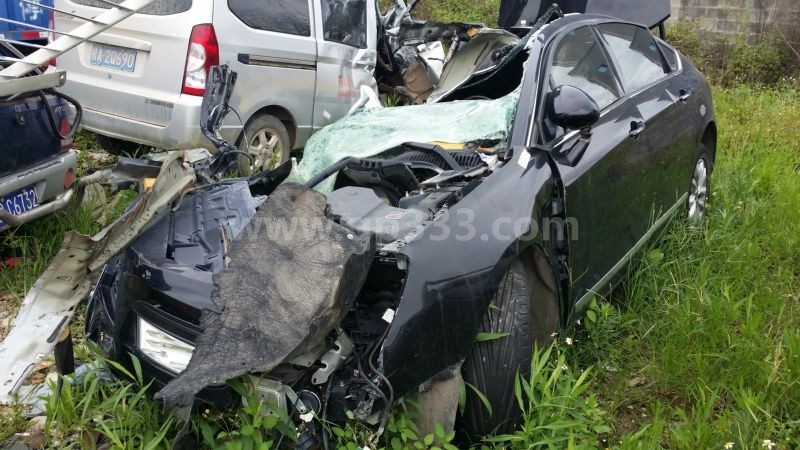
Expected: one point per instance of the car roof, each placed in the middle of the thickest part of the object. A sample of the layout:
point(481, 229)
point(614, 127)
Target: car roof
point(649, 13)
point(574, 20)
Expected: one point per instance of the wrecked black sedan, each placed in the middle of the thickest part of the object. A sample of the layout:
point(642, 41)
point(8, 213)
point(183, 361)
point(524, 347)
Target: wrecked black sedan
point(365, 273)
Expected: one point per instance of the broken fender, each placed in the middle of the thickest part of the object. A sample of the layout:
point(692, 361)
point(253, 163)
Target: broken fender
point(51, 302)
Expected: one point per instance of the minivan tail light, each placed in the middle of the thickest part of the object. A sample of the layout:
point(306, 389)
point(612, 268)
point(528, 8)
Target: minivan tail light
point(203, 53)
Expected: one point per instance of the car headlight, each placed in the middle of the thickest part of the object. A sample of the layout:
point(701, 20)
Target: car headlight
point(163, 348)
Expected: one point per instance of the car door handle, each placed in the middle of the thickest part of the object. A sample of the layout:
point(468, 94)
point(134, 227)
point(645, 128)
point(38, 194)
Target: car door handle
point(637, 126)
point(684, 95)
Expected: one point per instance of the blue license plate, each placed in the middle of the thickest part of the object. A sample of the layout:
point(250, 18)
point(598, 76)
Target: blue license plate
point(118, 58)
point(18, 202)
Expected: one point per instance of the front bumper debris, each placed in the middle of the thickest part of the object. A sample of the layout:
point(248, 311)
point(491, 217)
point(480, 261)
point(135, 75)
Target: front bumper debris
point(48, 307)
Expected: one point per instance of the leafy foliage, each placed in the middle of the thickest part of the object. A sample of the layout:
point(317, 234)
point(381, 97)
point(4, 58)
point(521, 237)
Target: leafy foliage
point(730, 61)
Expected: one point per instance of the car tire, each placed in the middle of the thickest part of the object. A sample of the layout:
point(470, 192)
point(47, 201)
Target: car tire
point(700, 186)
point(266, 140)
point(525, 307)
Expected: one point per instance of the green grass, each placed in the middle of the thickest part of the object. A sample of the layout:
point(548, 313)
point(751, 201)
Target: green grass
point(480, 11)
point(707, 326)
point(35, 244)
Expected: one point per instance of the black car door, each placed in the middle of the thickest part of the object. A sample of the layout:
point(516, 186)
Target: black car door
point(665, 144)
point(605, 186)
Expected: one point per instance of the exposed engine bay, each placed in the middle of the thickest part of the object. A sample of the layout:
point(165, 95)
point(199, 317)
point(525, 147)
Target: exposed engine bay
point(185, 296)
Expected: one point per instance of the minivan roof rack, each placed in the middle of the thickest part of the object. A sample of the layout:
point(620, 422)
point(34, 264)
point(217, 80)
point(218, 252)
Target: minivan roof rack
point(23, 73)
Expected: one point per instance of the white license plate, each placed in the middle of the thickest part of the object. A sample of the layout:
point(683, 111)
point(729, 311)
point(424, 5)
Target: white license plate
point(113, 57)
point(18, 202)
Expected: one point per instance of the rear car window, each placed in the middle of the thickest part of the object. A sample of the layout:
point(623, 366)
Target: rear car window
point(670, 56)
point(159, 8)
point(579, 61)
point(636, 53)
point(345, 21)
point(280, 16)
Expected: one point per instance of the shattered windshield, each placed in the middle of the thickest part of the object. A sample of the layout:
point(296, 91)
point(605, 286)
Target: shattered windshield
point(373, 131)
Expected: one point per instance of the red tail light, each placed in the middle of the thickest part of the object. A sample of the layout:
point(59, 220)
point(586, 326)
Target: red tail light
point(203, 53)
point(64, 130)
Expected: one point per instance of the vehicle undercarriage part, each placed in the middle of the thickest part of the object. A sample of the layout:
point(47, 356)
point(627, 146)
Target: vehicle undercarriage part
point(268, 313)
point(438, 401)
point(51, 302)
point(373, 131)
point(334, 359)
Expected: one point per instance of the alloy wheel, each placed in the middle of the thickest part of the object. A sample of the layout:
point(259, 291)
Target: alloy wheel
point(265, 148)
point(698, 196)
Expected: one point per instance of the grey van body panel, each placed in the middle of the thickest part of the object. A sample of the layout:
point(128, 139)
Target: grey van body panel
point(342, 69)
point(275, 69)
point(315, 81)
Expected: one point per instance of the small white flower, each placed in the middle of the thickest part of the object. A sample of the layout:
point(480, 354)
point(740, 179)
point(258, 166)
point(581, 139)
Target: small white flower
point(553, 334)
point(564, 367)
point(568, 341)
point(768, 444)
point(728, 445)
point(579, 321)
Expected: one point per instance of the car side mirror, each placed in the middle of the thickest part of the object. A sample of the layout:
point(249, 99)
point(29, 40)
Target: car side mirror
point(571, 108)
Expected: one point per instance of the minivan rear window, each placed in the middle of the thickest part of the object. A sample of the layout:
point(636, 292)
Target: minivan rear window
point(280, 16)
point(159, 8)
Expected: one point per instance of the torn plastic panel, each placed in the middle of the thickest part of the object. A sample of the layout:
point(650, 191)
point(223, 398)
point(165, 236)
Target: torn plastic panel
point(269, 313)
point(50, 303)
point(481, 54)
point(376, 130)
point(419, 69)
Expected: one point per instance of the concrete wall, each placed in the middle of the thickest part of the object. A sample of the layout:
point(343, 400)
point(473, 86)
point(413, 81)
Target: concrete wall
point(756, 18)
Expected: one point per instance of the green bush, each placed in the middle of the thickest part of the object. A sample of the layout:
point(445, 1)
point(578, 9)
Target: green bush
point(730, 62)
point(759, 63)
point(481, 11)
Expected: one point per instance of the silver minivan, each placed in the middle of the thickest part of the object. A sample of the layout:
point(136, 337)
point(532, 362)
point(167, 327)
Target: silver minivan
point(301, 64)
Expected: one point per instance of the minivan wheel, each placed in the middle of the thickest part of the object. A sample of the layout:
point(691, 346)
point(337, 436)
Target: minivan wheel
point(268, 145)
point(525, 311)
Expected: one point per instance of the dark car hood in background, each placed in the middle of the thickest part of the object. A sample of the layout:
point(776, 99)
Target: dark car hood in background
point(649, 12)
